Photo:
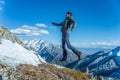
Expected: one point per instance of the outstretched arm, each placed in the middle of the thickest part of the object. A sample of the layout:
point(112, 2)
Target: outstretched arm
point(73, 25)
point(56, 24)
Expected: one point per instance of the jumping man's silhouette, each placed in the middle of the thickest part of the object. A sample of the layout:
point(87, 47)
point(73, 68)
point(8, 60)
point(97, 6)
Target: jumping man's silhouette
point(67, 25)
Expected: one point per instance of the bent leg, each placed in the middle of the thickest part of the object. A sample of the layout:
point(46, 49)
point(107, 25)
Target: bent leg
point(78, 53)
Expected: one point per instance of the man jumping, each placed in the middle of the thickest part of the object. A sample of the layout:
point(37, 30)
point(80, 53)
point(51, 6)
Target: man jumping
point(66, 25)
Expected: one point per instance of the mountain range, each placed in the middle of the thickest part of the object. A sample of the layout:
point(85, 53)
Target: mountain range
point(49, 52)
point(17, 54)
point(20, 62)
point(14, 52)
point(102, 63)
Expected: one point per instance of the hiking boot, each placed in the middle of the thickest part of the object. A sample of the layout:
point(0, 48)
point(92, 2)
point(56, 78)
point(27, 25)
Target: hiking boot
point(64, 55)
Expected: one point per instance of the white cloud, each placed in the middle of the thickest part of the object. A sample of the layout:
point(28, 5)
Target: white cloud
point(29, 27)
point(0, 8)
point(40, 25)
point(29, 31)
point(97, 44)
point(104, 43)
point(2, 2)
point(44, 32)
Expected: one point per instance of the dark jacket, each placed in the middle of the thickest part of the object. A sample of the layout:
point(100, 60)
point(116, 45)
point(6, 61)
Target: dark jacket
point(66, 24)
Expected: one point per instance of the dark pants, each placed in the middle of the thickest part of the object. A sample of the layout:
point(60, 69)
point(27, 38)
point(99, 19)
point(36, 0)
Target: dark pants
point(65, 40)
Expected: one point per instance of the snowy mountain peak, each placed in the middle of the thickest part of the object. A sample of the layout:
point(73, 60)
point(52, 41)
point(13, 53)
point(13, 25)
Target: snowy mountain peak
point(33, 42)
point(49, 52)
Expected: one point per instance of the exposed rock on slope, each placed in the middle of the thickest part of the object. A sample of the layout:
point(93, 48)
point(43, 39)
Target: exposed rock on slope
point(7, 72)
point(41, 72)
point(48, 72)
point(6, 34)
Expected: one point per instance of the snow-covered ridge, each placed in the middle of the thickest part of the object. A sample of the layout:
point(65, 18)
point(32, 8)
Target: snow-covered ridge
point(14, 54)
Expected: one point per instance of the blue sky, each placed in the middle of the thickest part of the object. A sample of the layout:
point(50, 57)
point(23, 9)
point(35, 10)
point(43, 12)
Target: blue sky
point(98, 21)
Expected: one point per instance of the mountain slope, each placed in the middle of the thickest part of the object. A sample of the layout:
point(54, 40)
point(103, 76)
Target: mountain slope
point(100, 63)
point(44, 71)
point(49, 72)
point(14, 52)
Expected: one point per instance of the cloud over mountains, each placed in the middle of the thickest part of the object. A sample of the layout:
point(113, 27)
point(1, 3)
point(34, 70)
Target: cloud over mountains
point(30, 30)
point(1, 4)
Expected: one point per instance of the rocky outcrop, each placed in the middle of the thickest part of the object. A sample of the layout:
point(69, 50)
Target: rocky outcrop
point(7, 72)
point(6, 34)
point(48, 72)
point(44, 71)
